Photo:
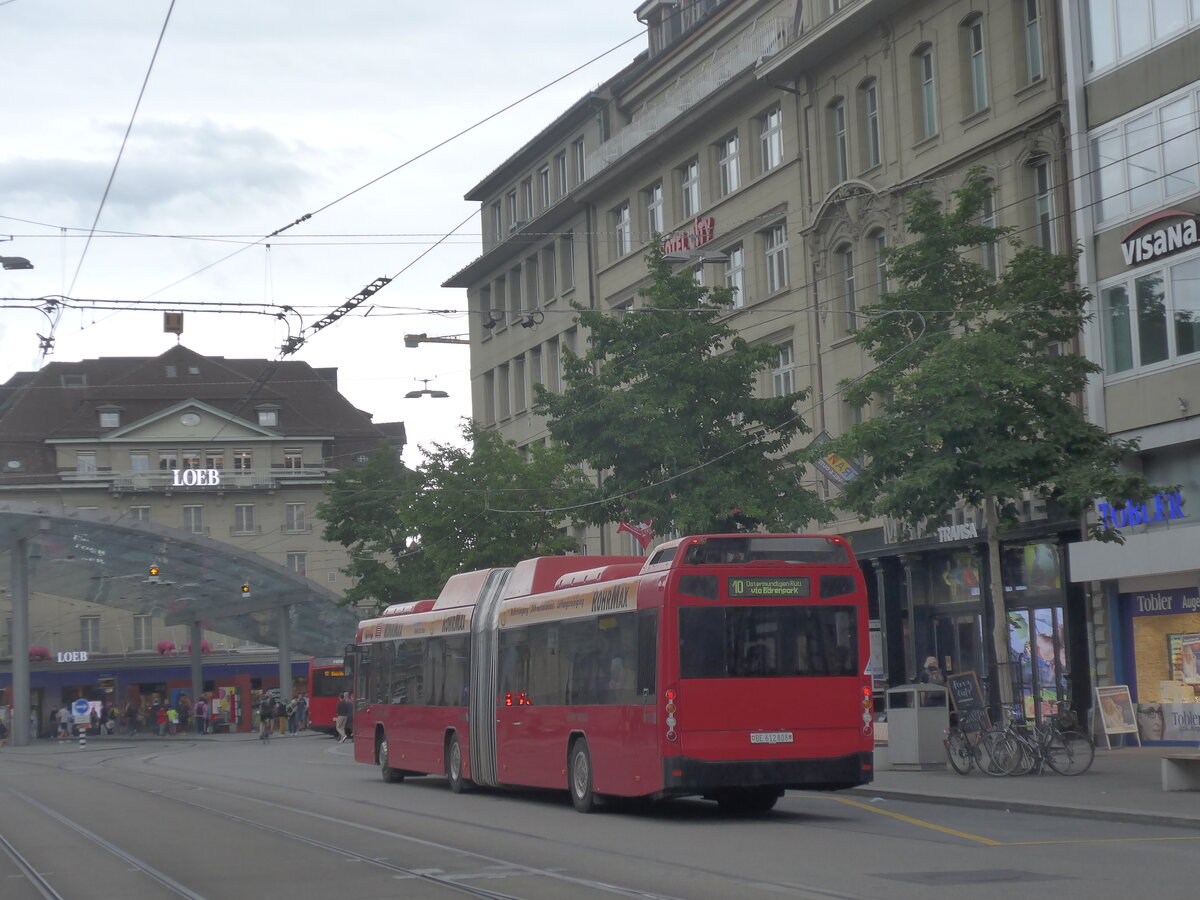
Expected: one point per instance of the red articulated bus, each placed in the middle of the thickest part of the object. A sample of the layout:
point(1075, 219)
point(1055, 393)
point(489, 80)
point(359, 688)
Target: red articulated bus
point(729, 667)
point(327, 680)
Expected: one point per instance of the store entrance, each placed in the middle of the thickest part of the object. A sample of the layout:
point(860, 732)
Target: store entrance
point(958, 642)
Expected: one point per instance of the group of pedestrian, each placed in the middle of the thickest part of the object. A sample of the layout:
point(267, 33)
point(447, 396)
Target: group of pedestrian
point(278, 716)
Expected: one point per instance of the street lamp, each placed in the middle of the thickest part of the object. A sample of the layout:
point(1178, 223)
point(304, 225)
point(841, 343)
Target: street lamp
point(415, 340)
point(695, 256)
point(432, 393)
point(15, 262)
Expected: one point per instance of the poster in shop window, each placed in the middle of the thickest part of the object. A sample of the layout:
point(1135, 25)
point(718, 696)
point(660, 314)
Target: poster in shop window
point(1116, 709)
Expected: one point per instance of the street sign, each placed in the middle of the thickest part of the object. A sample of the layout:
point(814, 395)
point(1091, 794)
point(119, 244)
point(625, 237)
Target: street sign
point(80, 708)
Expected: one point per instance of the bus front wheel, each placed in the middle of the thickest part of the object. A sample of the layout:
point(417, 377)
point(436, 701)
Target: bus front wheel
point(580, 781)
point(390, 775)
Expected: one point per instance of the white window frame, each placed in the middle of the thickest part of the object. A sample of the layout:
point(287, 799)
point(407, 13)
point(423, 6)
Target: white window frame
point(871, 133)
point(297, 561)
point(1032, 21)
point(848, 295)
point(85, 461)
point(143, 632)
point(728, 164)
point(770, 138)
point(735, 274)
point(840, 147)
point(89, 634)
point(1120, 30)
point(560, 174)
point(689, 188)
point(775, 254)
point(976, 64)
point(295, 517)
point(1174, 308)
point(783, 372)
point(927, 96)
point(1042, 183)
point(543, 176)
point(243, 518)
point(655, 219)
point(193, 518)
point(622, 230)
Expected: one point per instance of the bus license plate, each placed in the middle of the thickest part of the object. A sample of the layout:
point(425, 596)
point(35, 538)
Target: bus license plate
point(771, 737)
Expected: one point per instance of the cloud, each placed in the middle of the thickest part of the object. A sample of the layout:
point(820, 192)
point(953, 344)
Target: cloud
point(167, 164)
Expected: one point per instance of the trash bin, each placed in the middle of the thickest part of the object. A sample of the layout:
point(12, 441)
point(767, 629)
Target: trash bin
point(918, 716)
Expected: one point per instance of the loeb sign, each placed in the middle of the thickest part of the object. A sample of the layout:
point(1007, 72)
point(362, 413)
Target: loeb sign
point(195, 477)
point(1146, 243)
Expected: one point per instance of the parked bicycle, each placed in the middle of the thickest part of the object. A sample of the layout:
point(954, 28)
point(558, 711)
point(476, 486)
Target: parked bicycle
point(986, 750)
point(1057, 742)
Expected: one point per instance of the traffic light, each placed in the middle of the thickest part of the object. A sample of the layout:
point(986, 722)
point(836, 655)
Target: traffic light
point(152, 574)
point(245, 587)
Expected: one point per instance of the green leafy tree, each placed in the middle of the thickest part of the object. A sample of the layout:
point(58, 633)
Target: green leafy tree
point(663, 404)
point(977, 402)
point(461, 509)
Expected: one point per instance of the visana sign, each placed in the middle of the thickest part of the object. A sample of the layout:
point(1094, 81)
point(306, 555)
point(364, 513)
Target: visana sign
point(195, 477)
point(1146, 243)
point(1160, 509)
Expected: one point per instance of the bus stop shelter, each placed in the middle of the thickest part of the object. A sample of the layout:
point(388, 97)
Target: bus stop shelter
point(149, 569)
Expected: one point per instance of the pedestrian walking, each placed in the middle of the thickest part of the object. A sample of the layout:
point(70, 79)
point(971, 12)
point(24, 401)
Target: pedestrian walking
point(266, 717)
point(200, 710)
point(132, 715)
point(342, 713)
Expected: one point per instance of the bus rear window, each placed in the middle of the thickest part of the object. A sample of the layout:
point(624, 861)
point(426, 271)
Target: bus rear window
point(768, 641)
point(777, 548)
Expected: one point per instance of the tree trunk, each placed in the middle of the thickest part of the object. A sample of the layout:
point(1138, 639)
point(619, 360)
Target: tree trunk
point(996, 594)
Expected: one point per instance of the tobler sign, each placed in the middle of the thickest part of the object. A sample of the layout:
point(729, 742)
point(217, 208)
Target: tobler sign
point(1160, 235)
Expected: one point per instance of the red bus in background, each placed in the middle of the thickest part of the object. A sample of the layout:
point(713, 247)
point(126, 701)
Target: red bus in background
point(327, 679)
point(730, 667)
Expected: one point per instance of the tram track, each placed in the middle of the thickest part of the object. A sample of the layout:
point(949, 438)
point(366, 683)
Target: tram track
point(172, 784)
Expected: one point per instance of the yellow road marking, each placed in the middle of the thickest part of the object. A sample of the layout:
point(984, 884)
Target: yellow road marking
point(991, 843)
point(921, 822)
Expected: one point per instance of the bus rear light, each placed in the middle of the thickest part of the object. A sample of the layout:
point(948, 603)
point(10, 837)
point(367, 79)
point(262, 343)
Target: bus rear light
point(670, 709)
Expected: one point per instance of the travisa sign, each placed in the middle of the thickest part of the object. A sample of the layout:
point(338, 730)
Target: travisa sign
point(1153, 238)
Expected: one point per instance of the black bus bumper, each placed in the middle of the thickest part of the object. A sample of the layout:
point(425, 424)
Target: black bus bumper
point(684, 775)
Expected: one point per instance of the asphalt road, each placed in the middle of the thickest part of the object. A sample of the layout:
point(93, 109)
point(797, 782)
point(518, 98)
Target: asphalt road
point(298, 818)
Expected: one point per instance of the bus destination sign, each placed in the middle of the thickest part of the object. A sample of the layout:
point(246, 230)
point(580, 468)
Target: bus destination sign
point(767, 586)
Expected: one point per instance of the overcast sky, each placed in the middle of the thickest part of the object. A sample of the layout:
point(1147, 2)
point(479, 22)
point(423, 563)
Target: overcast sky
point(254, 115)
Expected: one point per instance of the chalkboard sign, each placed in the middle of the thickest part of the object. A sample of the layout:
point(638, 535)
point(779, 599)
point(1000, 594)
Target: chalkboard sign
point(967, 698)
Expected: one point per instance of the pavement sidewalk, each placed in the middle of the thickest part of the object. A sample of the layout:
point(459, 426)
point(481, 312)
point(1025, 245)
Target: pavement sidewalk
point(1123, 784)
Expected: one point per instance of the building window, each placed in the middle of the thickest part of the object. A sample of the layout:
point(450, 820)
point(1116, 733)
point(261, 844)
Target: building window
point(927, 124)
point(976, 65)
point(527, 199)
point(189, 459)
point(735, 274)
point(878, 244)
point(580, 154)
point(168, 460)
point(1119, 29)
point(520, 389)
point(139, 460)
point(89, 634)
point(6, 639)
point(544, 187)
point(1152, 318)
point(1032, 22)
point(110, 418)
point(847, 301)
point(1043, 202)
point(566, 260)
point(514, 294)
point(298, 562)
point(621, 226)
point(655, 221)
point(75, 380)
point(689, 188)
point(989, 251)
point(533, 285)
point(268, 417)
point(143, 632)
point(872, 150)
point(553, 380)
point(770, 138)
point(535, 367)
point(85, 461)
point(243, 460)
point(503, 397)
point(294, 517)
point(489, 398)
point(783, 373)
point(728, 165)
point(510, 203)
point(193, 519)
point(214, 459)
point(139, 513)
point(243, 518)
point(497, 221)
point(1147, 159)
point(839, 161)
point(549, 272)
point(775, 253)
point(560, 174)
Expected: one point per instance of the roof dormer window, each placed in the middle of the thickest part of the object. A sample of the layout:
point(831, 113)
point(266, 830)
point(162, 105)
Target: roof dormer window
point(110, 416)
point(268, 416)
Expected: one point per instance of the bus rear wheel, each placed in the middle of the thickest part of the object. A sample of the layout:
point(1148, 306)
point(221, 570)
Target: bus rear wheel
point(390, 775)
point(580, 777)
point(454, 765)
